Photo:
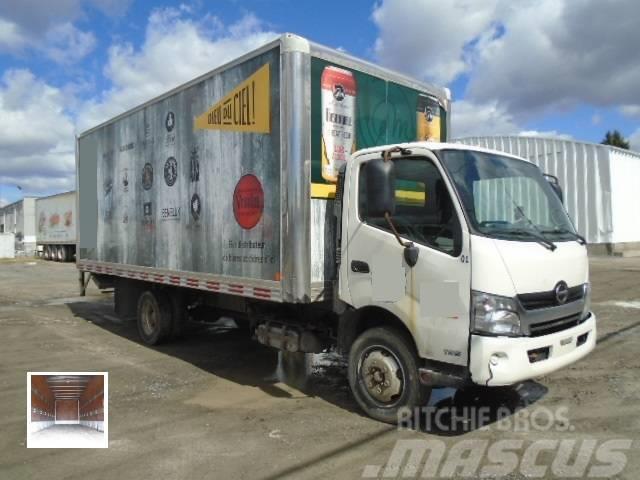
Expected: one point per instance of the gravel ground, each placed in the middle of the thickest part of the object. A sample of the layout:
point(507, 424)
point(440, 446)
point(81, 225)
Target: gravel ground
point(216, 405)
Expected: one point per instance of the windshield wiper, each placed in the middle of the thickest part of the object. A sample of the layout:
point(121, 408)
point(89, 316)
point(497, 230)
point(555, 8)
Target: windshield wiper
point(545, 242)
point(542, 240)
point(576, 236)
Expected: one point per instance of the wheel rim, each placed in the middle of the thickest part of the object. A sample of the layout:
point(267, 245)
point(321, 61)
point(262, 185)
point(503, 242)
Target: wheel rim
point(149, 318)
point(382, 375)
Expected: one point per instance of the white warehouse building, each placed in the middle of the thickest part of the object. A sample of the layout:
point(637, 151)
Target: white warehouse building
point(19, 218)
point(601, 185)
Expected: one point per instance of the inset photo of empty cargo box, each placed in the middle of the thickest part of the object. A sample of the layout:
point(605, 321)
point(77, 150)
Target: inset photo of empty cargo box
point(67, 410)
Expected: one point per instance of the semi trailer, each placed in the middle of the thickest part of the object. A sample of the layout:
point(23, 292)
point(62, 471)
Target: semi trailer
point(56, 227)
point(314, 196)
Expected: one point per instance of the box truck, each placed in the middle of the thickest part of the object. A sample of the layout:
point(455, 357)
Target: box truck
point(314, 195)
point(56, 227)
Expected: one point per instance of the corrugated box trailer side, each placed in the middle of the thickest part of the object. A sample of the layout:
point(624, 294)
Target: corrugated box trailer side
point(225, 184)
point(56, 226)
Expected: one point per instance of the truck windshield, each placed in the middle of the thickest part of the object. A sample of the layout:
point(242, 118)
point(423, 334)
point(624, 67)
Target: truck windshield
point(507, 198)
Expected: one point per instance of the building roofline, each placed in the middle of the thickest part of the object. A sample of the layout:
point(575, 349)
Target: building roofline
point(551, 137)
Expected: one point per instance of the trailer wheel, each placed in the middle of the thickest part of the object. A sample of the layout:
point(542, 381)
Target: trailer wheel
point(63, 253)
point(46, 253)
point(154, 317)
point(383, 374)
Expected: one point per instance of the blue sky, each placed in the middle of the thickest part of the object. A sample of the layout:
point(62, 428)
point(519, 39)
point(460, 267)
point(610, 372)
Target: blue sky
point(554, 67)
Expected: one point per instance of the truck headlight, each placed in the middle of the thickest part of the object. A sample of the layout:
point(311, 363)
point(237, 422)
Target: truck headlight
point(495, 315)
point(587, 300)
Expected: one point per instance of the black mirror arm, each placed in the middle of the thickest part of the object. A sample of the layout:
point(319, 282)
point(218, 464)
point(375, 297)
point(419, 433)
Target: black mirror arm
point(393, 229)
point(410, 250)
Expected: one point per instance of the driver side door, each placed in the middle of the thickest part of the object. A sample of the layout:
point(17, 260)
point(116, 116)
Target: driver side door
point(432, 298)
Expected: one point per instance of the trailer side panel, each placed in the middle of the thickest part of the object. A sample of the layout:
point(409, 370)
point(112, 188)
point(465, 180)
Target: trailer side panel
point(190, 183)
point(56, 217)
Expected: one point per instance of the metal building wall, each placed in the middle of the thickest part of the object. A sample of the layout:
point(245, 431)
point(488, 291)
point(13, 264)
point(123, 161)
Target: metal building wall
point(19, 218)
point(625, 188)
point(583, 170)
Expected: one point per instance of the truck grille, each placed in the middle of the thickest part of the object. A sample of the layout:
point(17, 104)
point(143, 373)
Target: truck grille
point(556, 325)
point(534, 301)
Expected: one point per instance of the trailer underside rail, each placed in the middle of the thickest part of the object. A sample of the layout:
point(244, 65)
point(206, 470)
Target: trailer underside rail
point(262, 290)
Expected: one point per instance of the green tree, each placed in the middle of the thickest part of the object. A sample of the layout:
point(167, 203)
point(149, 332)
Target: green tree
point(615, 139)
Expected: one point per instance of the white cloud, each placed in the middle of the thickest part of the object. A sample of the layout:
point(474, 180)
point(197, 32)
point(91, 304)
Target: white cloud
point(473, 119)
point(630, 110)
point(557, 54)
point(527, 57)
point(428, 38)
point(10, 37)
point(65, 44)
point(36, 135)
point(48, 28)
point(176, 49)
point(36, 126)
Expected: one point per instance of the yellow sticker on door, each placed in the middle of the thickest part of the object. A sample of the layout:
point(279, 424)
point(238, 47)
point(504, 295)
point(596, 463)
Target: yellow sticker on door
point(247, 108)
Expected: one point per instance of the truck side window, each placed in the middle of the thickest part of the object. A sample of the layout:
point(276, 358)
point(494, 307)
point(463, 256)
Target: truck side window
point(424, 209)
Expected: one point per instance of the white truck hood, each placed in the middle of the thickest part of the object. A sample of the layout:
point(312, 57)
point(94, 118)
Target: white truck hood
point(508, 268)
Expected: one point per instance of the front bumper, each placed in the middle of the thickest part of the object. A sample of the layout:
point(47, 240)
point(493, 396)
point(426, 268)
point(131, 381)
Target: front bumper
point(496, 361)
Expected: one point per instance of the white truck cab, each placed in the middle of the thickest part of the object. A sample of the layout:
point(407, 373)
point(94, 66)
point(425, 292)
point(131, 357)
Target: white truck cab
point(473, 252)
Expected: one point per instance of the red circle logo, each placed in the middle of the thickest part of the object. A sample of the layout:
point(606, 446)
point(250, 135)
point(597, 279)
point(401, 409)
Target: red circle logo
point(248, 201)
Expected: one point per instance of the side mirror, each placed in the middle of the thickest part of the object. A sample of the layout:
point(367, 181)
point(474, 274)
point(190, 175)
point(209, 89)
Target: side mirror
point(381, 192)
point(411, 254)
point(555, 185)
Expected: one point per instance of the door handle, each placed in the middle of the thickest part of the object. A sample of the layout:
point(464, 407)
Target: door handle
point(358, 266)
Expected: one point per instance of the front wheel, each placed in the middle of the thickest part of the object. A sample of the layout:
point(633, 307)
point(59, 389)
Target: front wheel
point(383, 374)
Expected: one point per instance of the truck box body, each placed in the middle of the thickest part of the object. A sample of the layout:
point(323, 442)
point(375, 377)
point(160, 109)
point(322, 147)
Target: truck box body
point(225, 183)
point(56, 217)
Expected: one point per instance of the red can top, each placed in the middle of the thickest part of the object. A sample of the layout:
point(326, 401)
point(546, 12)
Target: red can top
point(332, 76)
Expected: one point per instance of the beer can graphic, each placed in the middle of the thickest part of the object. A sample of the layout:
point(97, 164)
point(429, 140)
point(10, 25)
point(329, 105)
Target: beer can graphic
point(338, 101)
point(428, 119)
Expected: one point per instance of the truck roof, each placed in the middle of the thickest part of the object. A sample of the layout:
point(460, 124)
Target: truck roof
point(288, 42)
point(437, 146)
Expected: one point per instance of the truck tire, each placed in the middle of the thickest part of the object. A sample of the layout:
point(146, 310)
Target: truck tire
point(154, 317)
point(63, 253)
point(383, 374)
point(46, 252)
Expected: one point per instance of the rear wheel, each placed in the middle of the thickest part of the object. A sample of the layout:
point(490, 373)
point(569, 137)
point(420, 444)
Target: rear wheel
point(46, 252)
point(154, 317)
point(63, 253)
point(383, 374)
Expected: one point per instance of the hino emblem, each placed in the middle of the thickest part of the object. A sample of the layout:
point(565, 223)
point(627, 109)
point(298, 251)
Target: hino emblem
point(562, 292)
